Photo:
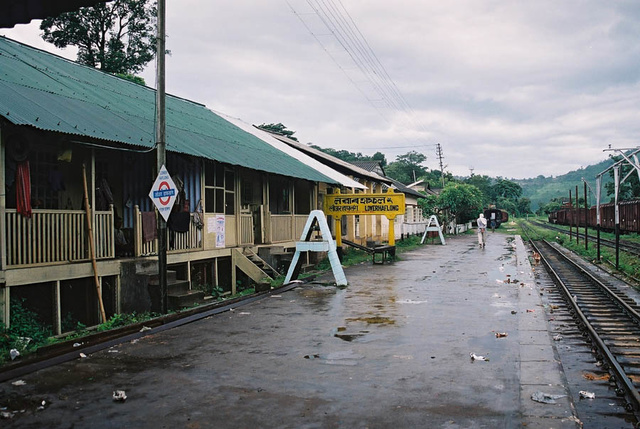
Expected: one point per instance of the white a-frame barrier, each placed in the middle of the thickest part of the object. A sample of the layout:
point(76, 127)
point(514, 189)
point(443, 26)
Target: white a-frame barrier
point(326, 245)
point(433, 219)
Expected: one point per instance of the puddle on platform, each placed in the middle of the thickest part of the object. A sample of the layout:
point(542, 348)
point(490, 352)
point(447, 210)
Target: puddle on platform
point(347, 358)
point(410, 301)
point(348, 337)
point(375, 320)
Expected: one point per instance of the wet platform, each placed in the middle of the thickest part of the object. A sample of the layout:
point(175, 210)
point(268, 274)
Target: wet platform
point(393, 349)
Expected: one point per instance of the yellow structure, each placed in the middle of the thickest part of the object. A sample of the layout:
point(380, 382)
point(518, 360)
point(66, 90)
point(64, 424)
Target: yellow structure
point(389, 204)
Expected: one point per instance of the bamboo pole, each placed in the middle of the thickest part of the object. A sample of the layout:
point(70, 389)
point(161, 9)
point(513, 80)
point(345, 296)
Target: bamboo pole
point(91, 244)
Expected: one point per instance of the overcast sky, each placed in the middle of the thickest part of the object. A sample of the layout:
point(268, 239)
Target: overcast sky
point(509, 88)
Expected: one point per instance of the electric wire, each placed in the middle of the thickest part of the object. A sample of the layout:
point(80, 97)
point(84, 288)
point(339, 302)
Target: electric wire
point(342, 27)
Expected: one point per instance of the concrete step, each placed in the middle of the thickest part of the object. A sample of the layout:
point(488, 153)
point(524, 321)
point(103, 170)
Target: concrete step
point(178, 287)
point(171, 278)
point(186, 299)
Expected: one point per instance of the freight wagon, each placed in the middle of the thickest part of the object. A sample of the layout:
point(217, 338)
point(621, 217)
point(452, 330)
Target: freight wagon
point(629, 217)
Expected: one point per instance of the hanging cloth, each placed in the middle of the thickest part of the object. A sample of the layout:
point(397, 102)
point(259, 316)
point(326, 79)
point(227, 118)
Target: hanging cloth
point(23, 189)
point(149, 226)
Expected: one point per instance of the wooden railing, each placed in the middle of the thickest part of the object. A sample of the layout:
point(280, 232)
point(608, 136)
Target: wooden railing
point(185, 241)
point(287, 227)
point(177, 241)
point(281, 228)
point(54, 236)
point(300, 222)
point(246, 229)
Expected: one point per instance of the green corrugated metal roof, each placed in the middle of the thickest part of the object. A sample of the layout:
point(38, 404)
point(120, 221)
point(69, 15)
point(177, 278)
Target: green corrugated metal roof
point(54, 94)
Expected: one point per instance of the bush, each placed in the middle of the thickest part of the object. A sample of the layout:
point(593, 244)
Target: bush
point(25, 333)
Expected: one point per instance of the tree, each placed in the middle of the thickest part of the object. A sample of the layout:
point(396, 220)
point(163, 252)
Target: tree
point(115, 37)
point(484, 184)
point(507, 189)
point(379, 156)
point(407, 168)
point(523, 206)
point(132, 78)
point(280, 129)
point(463, 201)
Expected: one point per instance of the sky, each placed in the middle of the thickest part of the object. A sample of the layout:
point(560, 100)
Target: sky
point(507, 88)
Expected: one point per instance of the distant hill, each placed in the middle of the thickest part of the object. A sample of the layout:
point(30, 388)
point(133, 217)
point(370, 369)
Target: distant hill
point(542, 189)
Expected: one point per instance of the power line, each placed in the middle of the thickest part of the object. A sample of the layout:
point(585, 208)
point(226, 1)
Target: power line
point(341, 26)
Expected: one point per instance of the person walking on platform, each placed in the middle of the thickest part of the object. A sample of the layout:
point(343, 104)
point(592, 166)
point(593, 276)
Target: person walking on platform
point(482, 230)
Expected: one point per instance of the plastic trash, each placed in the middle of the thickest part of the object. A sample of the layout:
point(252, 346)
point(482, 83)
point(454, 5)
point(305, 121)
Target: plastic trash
point(119, 396)
point(557, 337)
point(14, 353)
point(545, 398)
point(19, 383)
point(6, 415)
point(82, 355)
point(501, 334)
point(478, 357)
point(145, 328)
point(587, 395)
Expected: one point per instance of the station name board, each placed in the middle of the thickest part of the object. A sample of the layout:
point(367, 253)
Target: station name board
point(388, 204)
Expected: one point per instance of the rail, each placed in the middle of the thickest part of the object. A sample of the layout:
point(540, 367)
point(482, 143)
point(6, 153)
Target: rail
point(579, 286)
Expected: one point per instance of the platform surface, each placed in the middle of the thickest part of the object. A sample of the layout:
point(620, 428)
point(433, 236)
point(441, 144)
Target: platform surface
point(392, 349)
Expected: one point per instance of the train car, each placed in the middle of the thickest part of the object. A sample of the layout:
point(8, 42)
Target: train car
point(499, 216)
point(629, 217)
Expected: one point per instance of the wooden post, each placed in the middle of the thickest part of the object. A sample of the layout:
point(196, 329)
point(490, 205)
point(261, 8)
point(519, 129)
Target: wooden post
point(92, 249)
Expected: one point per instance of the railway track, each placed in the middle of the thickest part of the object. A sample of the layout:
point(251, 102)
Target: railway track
point(626, 246)
point(608, 320)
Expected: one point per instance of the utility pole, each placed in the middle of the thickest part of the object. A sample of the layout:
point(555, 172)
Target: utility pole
point(440, 156)
point(161, 148)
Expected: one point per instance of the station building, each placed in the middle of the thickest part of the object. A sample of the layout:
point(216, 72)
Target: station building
point(70, 133)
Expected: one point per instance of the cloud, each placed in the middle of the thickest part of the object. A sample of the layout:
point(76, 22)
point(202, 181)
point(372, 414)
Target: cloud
point(512, 89)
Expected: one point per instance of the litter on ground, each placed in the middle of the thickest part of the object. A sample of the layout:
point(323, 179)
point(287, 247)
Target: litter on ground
point(119, 396)
point(587, 395)
point(545, 398)
point(478, 357)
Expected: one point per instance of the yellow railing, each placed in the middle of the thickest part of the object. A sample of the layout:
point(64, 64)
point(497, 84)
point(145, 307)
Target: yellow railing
point(54, 236)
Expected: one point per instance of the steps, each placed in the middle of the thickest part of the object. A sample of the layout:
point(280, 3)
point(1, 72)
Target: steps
point(179, 292)
point(261, 263)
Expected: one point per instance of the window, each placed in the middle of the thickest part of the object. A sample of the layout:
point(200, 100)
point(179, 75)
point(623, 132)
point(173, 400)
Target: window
point(219, 189)
point(279, 195)
point(302, 197)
